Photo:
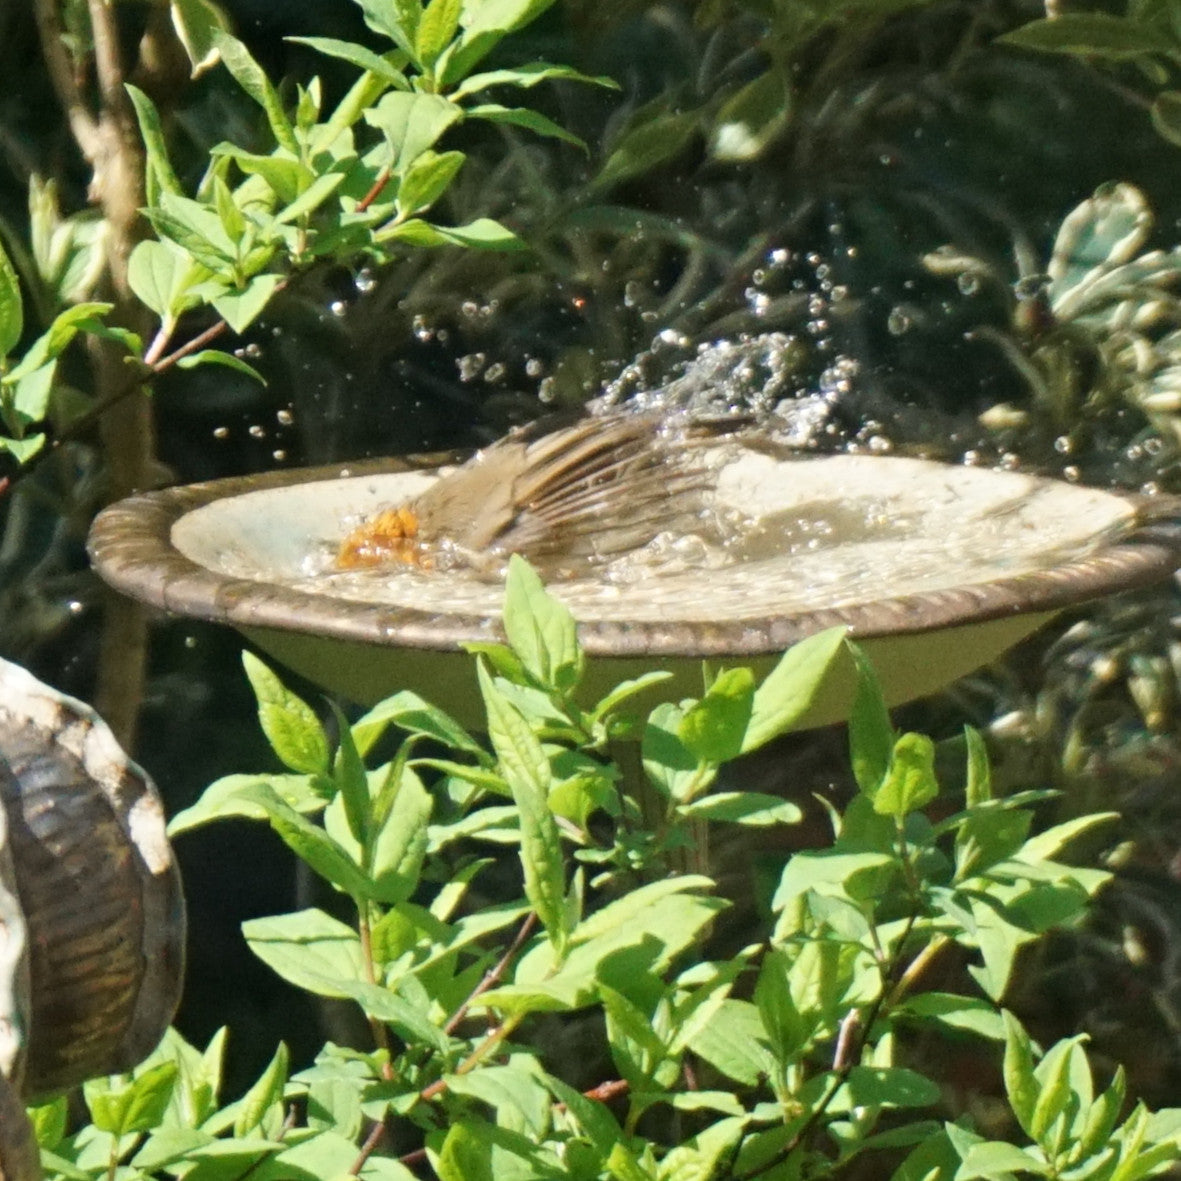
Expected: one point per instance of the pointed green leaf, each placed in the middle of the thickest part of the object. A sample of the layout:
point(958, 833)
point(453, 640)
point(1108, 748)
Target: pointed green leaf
point(714, 729)
point(11, 306)
point(871, 733)
point(292, 729)
point(529, 776)
point(253, 80)
point(910, 782)
point(788, 690)
point(265, 1094)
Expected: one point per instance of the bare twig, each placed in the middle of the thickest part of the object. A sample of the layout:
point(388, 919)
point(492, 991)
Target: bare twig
point(494, 974)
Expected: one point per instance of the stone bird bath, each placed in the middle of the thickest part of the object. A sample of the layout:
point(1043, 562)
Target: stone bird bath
point(935, 569)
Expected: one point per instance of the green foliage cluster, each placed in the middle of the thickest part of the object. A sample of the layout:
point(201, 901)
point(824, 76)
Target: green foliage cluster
point(790, 1059)
point(356, 181)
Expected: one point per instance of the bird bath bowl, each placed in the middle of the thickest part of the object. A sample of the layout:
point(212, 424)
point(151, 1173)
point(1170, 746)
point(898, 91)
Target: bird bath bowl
point(935, 569)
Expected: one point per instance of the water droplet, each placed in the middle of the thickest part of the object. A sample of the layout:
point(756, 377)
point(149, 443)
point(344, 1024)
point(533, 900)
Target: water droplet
point(364, 282)
point(190, 642)
point(534, 367)
point(547, 391)
point(898, 322)
point(470, 308)
point(338, 307)
point(1071, 472)
point(75, 607)
point(221, 432)
point(284, 417)
point(253, 351)
point(470, 366)
point(257, 431)
point(1064, 444)
point(278, 455)
point(968, 282)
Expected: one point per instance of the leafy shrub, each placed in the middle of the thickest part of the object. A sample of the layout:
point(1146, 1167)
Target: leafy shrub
point(789, 1059)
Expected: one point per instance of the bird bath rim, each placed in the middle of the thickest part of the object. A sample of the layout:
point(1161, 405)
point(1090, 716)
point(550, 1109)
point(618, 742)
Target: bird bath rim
point(131, 545)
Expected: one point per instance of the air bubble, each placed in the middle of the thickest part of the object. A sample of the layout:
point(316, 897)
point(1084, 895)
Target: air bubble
point(338, 307)
point(257, 431)
point(898, 322)
point(221, 432)
point(364, 282)
point(284, 417)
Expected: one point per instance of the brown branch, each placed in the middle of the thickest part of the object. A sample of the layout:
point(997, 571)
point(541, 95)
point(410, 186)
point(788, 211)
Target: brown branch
point(494, 974)
point(83, 124)
point(108, 64)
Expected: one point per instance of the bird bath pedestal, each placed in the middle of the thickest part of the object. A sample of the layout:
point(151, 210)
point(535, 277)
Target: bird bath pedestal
point(935, 569)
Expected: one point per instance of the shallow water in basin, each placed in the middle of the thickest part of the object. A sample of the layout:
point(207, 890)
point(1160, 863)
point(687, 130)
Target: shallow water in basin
point(778, 537)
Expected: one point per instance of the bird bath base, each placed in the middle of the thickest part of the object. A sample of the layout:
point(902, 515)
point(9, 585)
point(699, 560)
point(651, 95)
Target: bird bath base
point(945, 569)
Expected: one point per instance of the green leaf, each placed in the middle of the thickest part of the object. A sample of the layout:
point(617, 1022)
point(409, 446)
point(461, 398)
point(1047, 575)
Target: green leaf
point(482, 234)
point(714, 729)
point(1053, 1075)
point(401, 843)
point(524, 117)
point(527, 75)
point(155, 144)
point(752, 808)
point(788, 690)
point(750, 120)
point(910, 782)
point(1090, 34)
point(785, 1028)
point(121, 1106)
point(265, 1094)
point(217, 357)
point(287, 178)
point(358, 55)
point(352, 782)
point(485, 25)
point(22, 450)
point(995, 1159)
point(978, 789)
point(310, 843)
point(11, 306)
point(310, 949)
point(645, 145)
point(625, 691)
point(412, 123)
point(540, 629)
point(426, 180)
point(253, 80)
point(871, 733)
point(1021, 1084)
point(636, 1048)
point(222, 800)
point(527, 772)
point(292, 729)
point(735, 1042)
point(196, 22)
point(668, 763)
point(477, 1151)
point(240, 308)
point(967, 1014)
point(311, 198)
point(439, 23)
point(1046, 845)
point(411, 713)
point(160, 273)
